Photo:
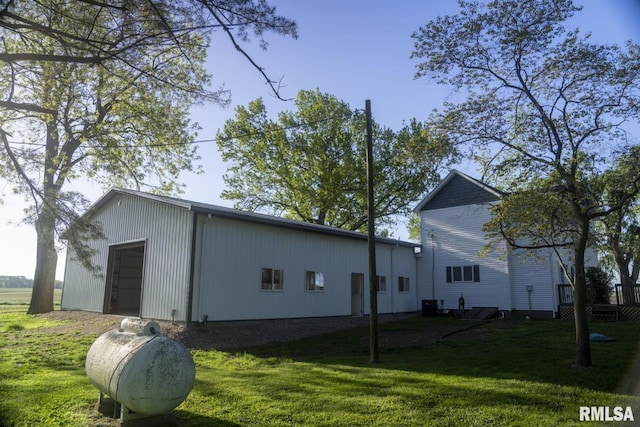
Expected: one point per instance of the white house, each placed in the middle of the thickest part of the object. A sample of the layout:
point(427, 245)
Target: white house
point(516, 282)
point(172, 259)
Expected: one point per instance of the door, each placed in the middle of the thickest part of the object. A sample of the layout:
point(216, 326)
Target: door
point(124, 279)
point(357, 295)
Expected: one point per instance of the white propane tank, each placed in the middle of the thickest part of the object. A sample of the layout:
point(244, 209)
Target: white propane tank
point(136, 366)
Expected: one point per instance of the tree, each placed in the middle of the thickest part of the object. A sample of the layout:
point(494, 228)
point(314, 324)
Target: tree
point(620, 231)
point(414, 227)
point(310, 163)
point(102, 91)
point(599, 284)
point(542, 103)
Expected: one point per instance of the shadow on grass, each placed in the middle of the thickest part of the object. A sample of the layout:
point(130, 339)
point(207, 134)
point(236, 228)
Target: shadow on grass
point(537, 351)
point(332, 394)
point(191, 419)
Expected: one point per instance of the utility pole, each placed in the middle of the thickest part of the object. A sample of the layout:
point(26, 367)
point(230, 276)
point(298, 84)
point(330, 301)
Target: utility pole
point(374, 350)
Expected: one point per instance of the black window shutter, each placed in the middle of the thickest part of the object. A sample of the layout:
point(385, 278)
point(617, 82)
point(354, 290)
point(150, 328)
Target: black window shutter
point(476, 273)
point(449, 275)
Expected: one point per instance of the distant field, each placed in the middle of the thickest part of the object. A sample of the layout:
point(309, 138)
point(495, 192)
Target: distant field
point(22, 296)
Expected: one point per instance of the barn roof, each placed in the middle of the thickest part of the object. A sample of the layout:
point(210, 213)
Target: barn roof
point(230, 213)
point(459, 189)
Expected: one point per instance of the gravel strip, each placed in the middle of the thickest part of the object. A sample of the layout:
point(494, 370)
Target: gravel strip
point(249, 333)
point(239, 334)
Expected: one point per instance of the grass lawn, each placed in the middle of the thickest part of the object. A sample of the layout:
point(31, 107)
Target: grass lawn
point(22, 296)
point(517, 373)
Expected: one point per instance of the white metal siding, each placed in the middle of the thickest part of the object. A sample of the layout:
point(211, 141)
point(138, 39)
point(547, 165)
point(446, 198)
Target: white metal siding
point(231, 253)
point(167, 230)
point(454, 237)
point(82, 290)
point(534, 269)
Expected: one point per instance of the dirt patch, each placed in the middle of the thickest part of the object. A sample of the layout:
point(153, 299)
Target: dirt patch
point(399, 338)
point(242, 334)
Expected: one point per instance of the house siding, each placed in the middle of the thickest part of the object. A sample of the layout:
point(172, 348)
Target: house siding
point(230, 254)
point(453, 237)
point(166, 230)
point(534, 269)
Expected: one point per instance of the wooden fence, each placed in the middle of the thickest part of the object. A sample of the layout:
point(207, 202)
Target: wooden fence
point(617, 309)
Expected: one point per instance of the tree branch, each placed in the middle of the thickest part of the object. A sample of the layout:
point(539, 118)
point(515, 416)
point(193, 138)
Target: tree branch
point(18, 167)
point(227, 30)
point(17, 57)
point(9, 105)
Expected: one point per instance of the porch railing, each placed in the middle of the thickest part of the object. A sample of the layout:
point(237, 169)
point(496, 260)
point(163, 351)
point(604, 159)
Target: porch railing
point(632, 297)
point(565, 295)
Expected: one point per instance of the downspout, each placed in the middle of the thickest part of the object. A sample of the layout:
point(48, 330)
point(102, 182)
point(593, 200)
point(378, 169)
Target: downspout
point(555, 303)
point(393, 248)
point(433, 268)
point(415, 263)
point(192, 262)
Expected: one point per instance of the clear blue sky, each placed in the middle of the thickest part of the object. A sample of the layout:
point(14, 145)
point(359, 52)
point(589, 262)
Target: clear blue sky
point(354, 49)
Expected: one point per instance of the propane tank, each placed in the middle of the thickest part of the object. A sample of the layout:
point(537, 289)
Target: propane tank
point(150, 374)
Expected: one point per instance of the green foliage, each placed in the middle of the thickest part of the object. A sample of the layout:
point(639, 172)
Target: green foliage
point(310, 165)
point(544, 106)
point(414, 227)
point(21, 282)
point(619, 233)
point(15, 282)
point(546, 98)
point(536, 217)
point(101, 91)
point(599, 284)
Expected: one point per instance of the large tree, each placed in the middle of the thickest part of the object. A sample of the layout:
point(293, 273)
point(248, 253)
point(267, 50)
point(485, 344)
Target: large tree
point(619, 233)
point(542, 105)
point(309, 164)
point(102, 91)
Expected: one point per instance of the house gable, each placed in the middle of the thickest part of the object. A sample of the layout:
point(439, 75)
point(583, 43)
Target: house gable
point(458, 189)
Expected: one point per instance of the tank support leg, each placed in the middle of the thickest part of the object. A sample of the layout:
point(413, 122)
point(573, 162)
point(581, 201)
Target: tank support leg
point(128, 418)
point(107, 406)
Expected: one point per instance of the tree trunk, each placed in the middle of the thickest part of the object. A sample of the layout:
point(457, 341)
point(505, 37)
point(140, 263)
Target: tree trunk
point(628, 291)
point(627, 281)
point(583, 345)
point(46, 256)
point(46, 264)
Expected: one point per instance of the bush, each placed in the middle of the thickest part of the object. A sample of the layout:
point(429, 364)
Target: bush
point(599, 285)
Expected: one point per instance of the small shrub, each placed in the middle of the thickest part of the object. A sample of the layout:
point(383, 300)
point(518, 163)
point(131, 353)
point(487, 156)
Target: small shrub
point(14, 327)
point(599, 284)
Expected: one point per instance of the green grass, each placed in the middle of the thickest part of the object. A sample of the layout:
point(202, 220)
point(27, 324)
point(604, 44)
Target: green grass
point(516, 374)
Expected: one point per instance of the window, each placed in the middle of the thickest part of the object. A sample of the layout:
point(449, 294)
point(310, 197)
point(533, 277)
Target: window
point(465, 273)
point(403, 284)
point(314, 281)
point(272, 279)
point(382, 283)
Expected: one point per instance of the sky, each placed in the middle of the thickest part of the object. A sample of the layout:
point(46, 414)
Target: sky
point(353, 49)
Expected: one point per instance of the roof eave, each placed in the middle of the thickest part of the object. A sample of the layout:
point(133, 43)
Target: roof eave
point(223, 212)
